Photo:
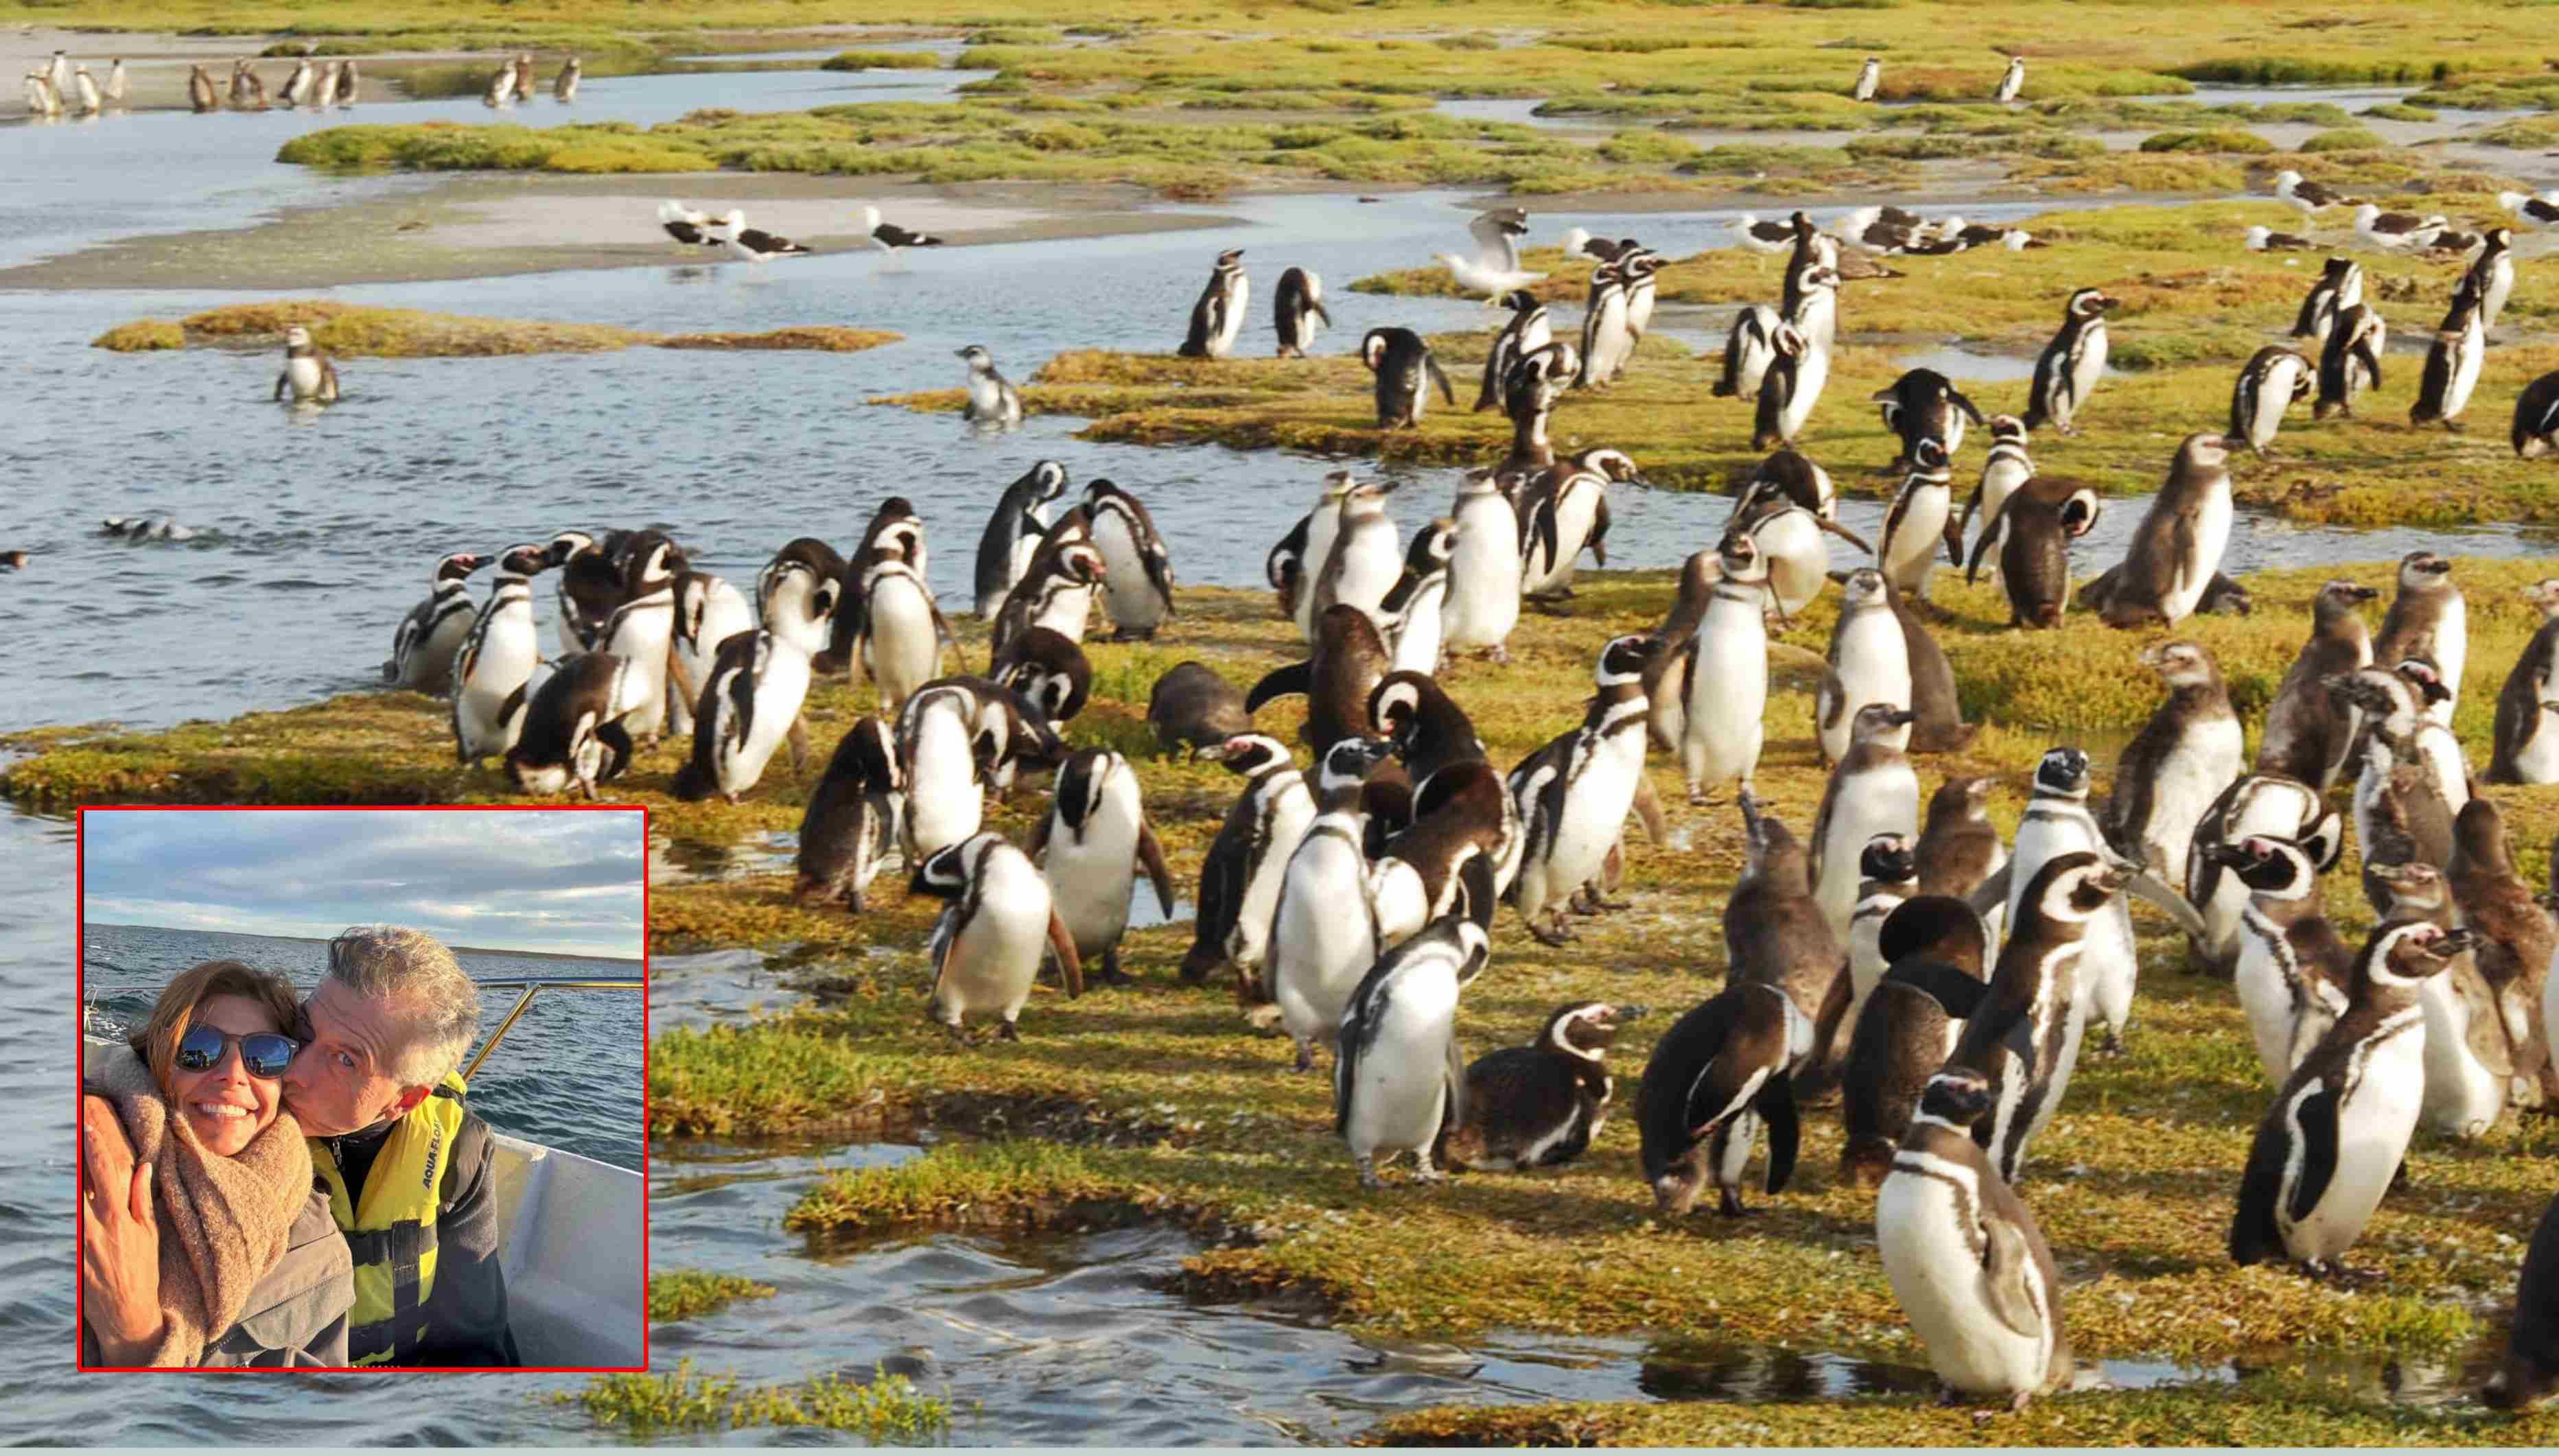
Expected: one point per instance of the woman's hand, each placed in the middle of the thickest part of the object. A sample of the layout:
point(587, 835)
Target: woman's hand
point(119, 1240)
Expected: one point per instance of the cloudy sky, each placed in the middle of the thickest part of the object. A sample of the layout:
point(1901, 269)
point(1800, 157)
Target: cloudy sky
point(564, 881)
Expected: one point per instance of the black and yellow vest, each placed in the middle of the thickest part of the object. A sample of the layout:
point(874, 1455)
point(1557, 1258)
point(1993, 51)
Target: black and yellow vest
point(390, 1224)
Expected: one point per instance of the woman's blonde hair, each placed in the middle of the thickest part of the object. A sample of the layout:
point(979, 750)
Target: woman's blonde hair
point(157, 1042)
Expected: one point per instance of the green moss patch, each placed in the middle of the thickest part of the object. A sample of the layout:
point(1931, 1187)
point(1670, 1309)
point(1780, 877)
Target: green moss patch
point(683, 1294)
point(886, 1409)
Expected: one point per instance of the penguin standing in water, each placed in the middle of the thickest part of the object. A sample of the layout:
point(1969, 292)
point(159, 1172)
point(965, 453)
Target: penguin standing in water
point(1298, 311)
point(201, 94)
point(2452, 362)
point(1919, 524)
point(1750, 347)
point(1726, 668)
point(1484, 570)
point(2339, 1128)
point(1091, 845)
point(2428, 620)
point(1541, 1105)
point(1868, 663)
point(2526, 746)
point(1323, 927)
point(1405, 368)
point(2173, 565)
point(1013, 532)
point(494, 670)
point(1967, 1263)
point(572, 734)
point(1905, 1026)
point(2173, 770)
point(1573, 795)
point(1240, 877)
point(748, 709)
point(1219, 315)
point(1719, 1074)
point(2067, 371)
point(1528, 329)
point(1872, 791)
point(2274, 380)
point(1790, 389)
point(1399, 1077)
point(308, 374)
point(2530, 1368)
point(1607, 341)
point(2349, 361)
point(851, 824)
point(2339, 287)
point(423, 648)
point(2307, 732)
point(992, 399)
point(2261, 806)
point(2032, 528)
point(987, 945)
point(708, 612)
point(1137, 580)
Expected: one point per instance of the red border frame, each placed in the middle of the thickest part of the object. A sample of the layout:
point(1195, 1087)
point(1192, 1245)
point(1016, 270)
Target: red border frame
point(79, 988)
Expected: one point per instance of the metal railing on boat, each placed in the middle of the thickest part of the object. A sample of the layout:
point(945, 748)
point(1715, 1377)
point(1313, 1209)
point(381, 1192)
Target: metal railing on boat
point(531, 984)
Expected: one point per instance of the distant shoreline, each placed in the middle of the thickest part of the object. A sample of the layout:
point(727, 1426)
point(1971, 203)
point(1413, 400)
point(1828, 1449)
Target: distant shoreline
point(323, 939)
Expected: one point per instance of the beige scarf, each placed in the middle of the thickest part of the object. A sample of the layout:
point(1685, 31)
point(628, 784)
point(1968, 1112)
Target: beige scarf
point(224, 1221)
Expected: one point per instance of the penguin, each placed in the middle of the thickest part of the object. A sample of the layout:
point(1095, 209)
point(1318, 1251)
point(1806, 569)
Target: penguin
point(1887, 876)
point(1348, 660)
point(1774, 931)
point(1785, 509)
point(2452, 362)
point(1456, 854)
point(1565, 512)
point(2289, 967)
point(1726, 666)
point(1137, 578)
point(2410, 780)
point(1868, 663)
point(2032, 528)
point(2263, 805)
point(2012, 81)
point(642, 632)
point(758, 682)
point(2529, 1370)
point(2516, 938)
point(59, 75)
point(1239, 878)
point(1218, 316)
point(1405, 368)
point(1090, 848)
point(1399, 1077)
point(2190, 751)
point(117, 84)
point(1192, 706)
point(1967, 1263)
point(1606, 339)
point(1573, 795)
point(2491, 274)
point(248, 89)
point(564, 85)
point(2306, 733)
point(2429, 619)
point(590, 588)
point(298, 86)
point(708, 612)
point(1811, 298)
point(851, 824)
point(1485, 570)
point(1868, 77)
point(1056, 590)
point(2339, 287)
point(572, 734)
point(2274, 380)
point(1872, 791)
point(423, 648)
point(1528, 329)
point(796, 593)
point(1323, 927)
point(1298, 311)
point(1364, 561)
point(1750, 347)
point(992, 399)
point(1937, 721)
point(1416, 609)
point(84, 85)
point(1920, 522)
point(2175, 560)
point(2526, 748)
point(2349, 361)
point(1715, 1078)
point(1959, 848)
point(1049, 670)
point(2069, 369)
point(1291, 565)
point(2535, 431)
point(1666, 680)
point(1013, 532)
point(2333, 1139)
point(201, 94)
point(1529, 393)
point(1924, 404)
point(1905, 1026)
point(494, 668)
point(987, 944)
point(1541, 1105)
point(525, 76)
point(1638, 266)
point(1423, 724)
point(1801, 365)
point(2469, 1059)
point(940, 767)
point(307, 373)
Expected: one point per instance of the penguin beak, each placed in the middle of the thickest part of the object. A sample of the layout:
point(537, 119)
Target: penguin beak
point(2454, 943)
point(1904, 718)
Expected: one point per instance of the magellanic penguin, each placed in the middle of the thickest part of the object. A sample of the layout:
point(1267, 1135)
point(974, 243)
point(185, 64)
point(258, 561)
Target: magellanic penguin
point(1484, 570)
point(2289, 967)
point(2516, 938)
point(2469, 1062)
point(2069, 370)
point(1749, 347)
point(307, 373)
point(1785, 509)
point(1726, 666)
point(590, 586)
point(493, 672)
point(2411, 778)
point(1774, 931)
point(987, 945)
point(1887, 876)
point(1057, 589)
point(423, 648)
point(2190, 751)
point(642, 632)
point(1239, 885)
point(2452, 362)
point(896, 532)
point(2491, 273)
point(2032, 528)
point(708, 612)
point(1715, 1077)
point(1966, 1260)
point(2334, 1136)
point(1541, 1105)
point(201, 94)
point(525, 76)
point(2349, 361)
point(2175, 563)
point(940, 763)
point(1924, 404)
point(1868, 663)
point(2535, 431)
point(991, 398)
point(1959, 848)
point(850, 826)
point(1872, 791)
point(748, 707)
point(1798, 367)
point(1937, 714)
point(1868, 77)
point(1298, 311)
point(1905, 1026)
point(1526, 328)
point(1219, 315)
point(572, 734)
point(2429, 619)
point(1399, 1077)
point(2526, 746)
point(1091, 845)
point(563, 85)
point(1919, 524)
point(1137, 584)
point(1192, 706)
point(2274, 380)
point(1416, 610)
point(795, 594)
point(1607, 341)
point(1337, 677)
point(2308, 733)
point(1574, 794)
point(1639, 267)
point(2012, 81)
point(2529, 1370)
point(898, 633)
point(1291, 565)
point(1048, 670)
point(1406, 369)
point(1529, 392)
point(2339, 287)
point(1564, 513)
point(1366, 558)
point(2263, 805)
point(1013, 532)
point(1323, 927)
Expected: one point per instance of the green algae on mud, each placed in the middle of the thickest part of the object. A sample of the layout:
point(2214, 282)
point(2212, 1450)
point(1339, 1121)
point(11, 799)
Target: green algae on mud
point(357, 330)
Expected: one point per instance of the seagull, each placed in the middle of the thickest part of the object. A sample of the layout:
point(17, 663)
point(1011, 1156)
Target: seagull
point(1474, 277)
point(1494, 230)
point(2261, 239)
point(2451, 242)
point(888, 238)
point(2396, 231)
point(2308, 197)
point(683, 224)
point(2541, 210)
point(748, 244)
point(1764, 237)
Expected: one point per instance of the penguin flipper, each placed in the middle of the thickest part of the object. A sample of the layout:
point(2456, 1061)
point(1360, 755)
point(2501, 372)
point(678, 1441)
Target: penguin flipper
point(2313, 1119)
point(1061, 941)
point(2005, 1257)
point(2158, 892)
point(1298, 679)
point(1039, 838)
point(1992, 893)
point(1959, 994)
point(1971, 410)
point(1844, 533)
point(1648, 808)
point(1150, 853)
point(1776, 1108)
point(1439, 377)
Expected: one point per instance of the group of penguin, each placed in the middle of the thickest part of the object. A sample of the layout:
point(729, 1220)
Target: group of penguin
point(1870, 77)
point(514, 82)
point(58, 87)
point(334, 83)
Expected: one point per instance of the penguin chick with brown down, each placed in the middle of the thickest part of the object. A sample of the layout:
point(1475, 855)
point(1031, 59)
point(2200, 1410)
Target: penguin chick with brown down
point(2178, 765)
point(1934, 950)
point(1348, 660)
point(2526, 746)
point(1775, 933)
point(1191, 707)
point(1541, 1105)
point(2307, 732)
point(2529, 1371)
point(851, 824)
point(2516, 940)
point(2429, 619)
point(1936, 714)
point(2173, 567)
point(1715, 1078)
point(1959, 848)
point(2032, 528)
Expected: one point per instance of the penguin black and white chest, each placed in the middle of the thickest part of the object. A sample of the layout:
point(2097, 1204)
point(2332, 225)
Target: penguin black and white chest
point(1888, 877)
point(1541, 1105)
point(1868, 663)
point(1453, 857)
point(1137, 584)
point(898, 632)
point(1298, 311)
point(987, 945)
point(2429, 619)
point(1426, 728)
point(1774, 931)
point(590, 587)
point(493, 673)
point(2340, 1126)
point(2175, 555)
point(2307, 732)
point(2349, 361)
point(708, 612)
point(1485, 570)
point(1405, 369)
point(1049, 670)
point(1726, 666)
point(1715, 1078)
point(2289, 967)
point(2339, 287)
point(572, 735)
point(1091, 845)
point(2530, 1368)
point(2452, 361)
point(2190, 751)
point(1565, 512)
point(2272, 380)
point(750, 705)
point(1526, 328)
point(896, 532)
point(1786, 510)
point(1366, 557)
point(1749, 347)
point(1293, 564)
point(1323, 927)
point(1606, 339)
point(2263, 805)
point(2469, 1067)
point(2032, 529)
point(1057, 590)
point(1337, 677)
point(1966, 1260)
point(1573, 795)
point(1798, 366)
point(2516, 940)
point(2526, 748)
point(1529, 392)
point(1399, 1077)
point(1924, 404)
point(1013, 532)
point(1905, 1025)
point(1868, 77)
point(307, 375)
point(1240, 877)
point(1813, 301)
point(1872, 791)
point(2491, 274)
point(796, 593)
point(1414, 612)
point(1919, 524)
point(1218, 316)
point(850, 826)
point(2012, 81)
point(423, 648)
point(2535, 431)
point(2066, 372)
point(642, 632)
point(992, 399)
point(1637, 267)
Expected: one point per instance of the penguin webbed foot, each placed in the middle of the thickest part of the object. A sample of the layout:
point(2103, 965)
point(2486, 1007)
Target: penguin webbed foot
point(1729, 1205)
point(1553, 933)
point(1305, 1056)
point(1112, 974)
point(1008, 1032)
point(1368, 1178)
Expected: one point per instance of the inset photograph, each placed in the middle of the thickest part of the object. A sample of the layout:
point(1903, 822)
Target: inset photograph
point(363, 1088)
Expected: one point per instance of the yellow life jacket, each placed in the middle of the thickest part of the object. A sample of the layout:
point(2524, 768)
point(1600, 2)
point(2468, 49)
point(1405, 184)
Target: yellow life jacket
point(390, 1224)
